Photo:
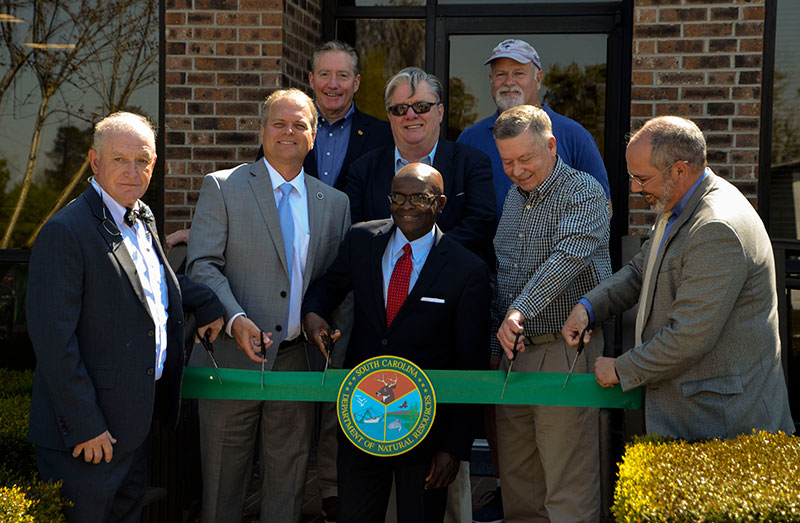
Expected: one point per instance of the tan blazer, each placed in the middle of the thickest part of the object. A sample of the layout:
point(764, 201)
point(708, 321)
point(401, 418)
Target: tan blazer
point(710, 360)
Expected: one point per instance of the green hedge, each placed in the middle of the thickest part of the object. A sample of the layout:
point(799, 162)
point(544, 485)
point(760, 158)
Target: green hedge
point(752, 477)
point(23, 497)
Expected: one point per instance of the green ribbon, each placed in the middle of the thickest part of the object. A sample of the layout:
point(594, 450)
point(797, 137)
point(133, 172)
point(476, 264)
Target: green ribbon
point(451, 386)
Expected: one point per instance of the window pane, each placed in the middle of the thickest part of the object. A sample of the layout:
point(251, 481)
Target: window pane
point(574, 83)
point(785, 170)
point(78, 61)
point(385, 47)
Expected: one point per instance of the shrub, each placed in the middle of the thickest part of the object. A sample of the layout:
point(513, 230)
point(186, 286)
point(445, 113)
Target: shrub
point(752, 477)
point(14, 506)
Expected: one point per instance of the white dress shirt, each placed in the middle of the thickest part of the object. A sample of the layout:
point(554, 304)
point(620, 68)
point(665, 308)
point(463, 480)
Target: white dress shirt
point(139, 244)
point(420, 248)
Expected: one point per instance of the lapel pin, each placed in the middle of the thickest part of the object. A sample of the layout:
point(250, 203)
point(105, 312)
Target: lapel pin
point(320, 195)
point(360, 132)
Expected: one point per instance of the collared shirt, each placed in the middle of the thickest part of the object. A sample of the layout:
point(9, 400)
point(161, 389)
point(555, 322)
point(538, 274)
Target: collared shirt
point(400, 162)
point(677, 209)
point(330, 147)
point(420, 248)
point(574, 144)
point(139, 244)
point(552, 247)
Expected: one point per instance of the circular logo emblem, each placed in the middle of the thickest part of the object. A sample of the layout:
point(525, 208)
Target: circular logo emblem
point(386, 406)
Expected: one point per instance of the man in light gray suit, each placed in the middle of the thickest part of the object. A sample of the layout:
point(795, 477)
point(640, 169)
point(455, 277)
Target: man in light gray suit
point(261, 233)
point(707, 350)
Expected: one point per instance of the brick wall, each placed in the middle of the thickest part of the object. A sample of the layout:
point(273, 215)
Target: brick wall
point(701, 59)
point(223, 58)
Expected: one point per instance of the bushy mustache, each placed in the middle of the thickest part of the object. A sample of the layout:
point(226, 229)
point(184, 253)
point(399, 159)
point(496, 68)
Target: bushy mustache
point(508, 90)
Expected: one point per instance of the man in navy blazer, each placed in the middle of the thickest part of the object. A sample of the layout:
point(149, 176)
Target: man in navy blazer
point(413, 101)
point(442, 324)
point(104, 315)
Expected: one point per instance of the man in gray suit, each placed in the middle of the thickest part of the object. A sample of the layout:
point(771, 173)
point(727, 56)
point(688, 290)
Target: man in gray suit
point(707, 347)
point(261, 233)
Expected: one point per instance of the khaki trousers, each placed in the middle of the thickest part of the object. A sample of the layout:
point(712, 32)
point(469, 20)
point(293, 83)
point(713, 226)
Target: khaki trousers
point(549, 456)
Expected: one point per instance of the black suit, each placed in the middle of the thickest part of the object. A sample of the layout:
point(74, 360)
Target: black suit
point(449, 335)
point(470, 215)
point(366, 133)
point(95, 347)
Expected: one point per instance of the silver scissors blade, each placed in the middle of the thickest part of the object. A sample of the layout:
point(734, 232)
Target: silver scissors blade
point(331, 344)
point(513, 357)
point(206, 343)
point(263, 356)
point(575, 359)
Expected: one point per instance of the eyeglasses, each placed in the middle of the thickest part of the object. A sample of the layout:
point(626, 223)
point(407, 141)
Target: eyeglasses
point(641, 183)
point(418, 200)
point(419, 108)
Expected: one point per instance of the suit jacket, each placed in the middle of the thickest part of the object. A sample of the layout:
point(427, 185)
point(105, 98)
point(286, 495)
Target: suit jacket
point(711, 359)
point(93, 334)
point(236, 248)
point(449, 335)
point(366, 133)
point(470, 215)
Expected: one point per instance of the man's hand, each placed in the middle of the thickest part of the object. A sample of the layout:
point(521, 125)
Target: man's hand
point(317, 331)
point(213, 328)
point(576, 321)
point(97, 448)
point(444, 469)
point(246, 333)
point(508, 332)
point(177, 237)
point(604, 372)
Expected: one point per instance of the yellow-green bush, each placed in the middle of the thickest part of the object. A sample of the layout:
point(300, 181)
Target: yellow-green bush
point(14, 506)
point(23, 497)
point(750, 478)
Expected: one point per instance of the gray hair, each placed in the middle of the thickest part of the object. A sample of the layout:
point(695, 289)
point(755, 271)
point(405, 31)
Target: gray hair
point(412, 76)
point(674, 139)
point(335, 45)
point(122, 121)
point(515, 121)
point(298, 95)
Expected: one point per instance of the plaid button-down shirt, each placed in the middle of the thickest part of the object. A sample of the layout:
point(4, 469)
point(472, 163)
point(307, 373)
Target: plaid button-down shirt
point(552, 248)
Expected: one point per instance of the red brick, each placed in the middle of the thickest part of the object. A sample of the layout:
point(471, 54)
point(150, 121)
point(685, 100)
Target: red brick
point(717, 156)
point(200, 168)
point(214, 33)
point(681, 46)
point(722, 170)
point(227, 49)
point(238, 19)
point(238, 79)
point(214, 124)
point(747, 140)
point(719, 140)
point(271, 49)
point(201, 79)
point(751, 45)
point(205, 138)
point(707, 62)
point(753, 13)
point(217, 5)
point(696, 14)
point(215, 64)
point(174, 198)
point(178, 62)
point(749, 29)
point(641, 218)
point(201, 18)
point(746, 124)
point(708, 29)
point(173, 18)
point(721, 78)
point(210, 93)
point(750, 77)
point(745, 172)
point(237, 108)
point(749, 108)
point(260, 5)
point(201, 48)
point(176, 138)
point(681, 78)
point(249, 94)
point(176, 34)
point(722, 45)
point(272, 19)
point(236, 138)
point(175, 78)
point(250, 124)
point(260, 34)
point(177, 213)
point(712, 124)
point(654, 93)
point(178, 123)
point(747, 61)
point(645, 47)
point(201, 108)
point(175, 108)
point(259, 64)
point(705, 93)
point(179, 93)
point(212, 153)
point(641, 78)
point(178, 4)
point(176, 48)
point(721, 109)
point(657, 31)
point(724, 13)
point(746, 93)
point(656, 62)
point(176, 182)
point(192, 197)
point(178, 153)
point(680, 108)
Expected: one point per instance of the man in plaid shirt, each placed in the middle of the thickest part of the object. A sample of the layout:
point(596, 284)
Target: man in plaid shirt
point(552, 247)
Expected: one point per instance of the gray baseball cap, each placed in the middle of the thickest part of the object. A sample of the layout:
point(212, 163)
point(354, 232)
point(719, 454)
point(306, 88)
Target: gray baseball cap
point(517, 50)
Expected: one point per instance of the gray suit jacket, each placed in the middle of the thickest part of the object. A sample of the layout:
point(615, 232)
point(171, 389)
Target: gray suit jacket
point(236, 248)
point(710, 360)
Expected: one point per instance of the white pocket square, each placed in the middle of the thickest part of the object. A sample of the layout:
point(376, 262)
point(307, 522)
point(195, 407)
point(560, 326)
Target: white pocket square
point(431, 300)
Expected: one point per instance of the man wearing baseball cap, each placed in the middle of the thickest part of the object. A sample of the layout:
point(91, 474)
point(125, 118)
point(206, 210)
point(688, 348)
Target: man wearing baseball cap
point(516, 77)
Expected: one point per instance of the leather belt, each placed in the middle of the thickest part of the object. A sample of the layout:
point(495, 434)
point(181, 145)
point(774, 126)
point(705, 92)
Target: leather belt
point(285, 344)
point(547, 337)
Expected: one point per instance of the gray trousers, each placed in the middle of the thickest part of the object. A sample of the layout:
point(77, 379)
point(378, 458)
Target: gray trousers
point(228, 431)
point(549, 456)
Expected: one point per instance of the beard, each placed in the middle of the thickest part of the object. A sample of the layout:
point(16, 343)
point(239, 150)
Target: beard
point(660, 202)
point(507, 98)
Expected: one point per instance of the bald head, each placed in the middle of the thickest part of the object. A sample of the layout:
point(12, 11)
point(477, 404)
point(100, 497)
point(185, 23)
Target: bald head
point(672, 139)
point(424, 174)
point(416, 199)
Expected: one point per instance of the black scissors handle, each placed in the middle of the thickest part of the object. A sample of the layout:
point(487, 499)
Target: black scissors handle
point(577, 354)
point(205, 341)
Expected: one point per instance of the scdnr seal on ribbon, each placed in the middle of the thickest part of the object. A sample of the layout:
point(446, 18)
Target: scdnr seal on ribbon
point(386, 406)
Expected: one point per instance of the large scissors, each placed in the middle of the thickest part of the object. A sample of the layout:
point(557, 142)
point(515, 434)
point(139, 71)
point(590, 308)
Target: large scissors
point(330, 343)
point(511, 364)
point(578, 353)
point(263, 355)
point(205, 341)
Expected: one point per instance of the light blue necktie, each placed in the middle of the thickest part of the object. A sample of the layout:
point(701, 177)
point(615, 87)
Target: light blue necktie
point(287, 225)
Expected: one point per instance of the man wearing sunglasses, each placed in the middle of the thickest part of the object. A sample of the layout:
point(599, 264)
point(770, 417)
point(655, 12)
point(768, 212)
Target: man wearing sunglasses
point(707, 347)
point(436, 315)
point(414, 106)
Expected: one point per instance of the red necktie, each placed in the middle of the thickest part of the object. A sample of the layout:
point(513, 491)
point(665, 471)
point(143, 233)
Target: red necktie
point(398, 284)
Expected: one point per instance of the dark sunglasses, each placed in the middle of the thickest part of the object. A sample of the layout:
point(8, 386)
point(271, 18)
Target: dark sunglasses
point(419, 108)
point(418, 200)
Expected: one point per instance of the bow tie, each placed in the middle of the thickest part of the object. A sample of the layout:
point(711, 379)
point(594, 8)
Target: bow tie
point(142, 213)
